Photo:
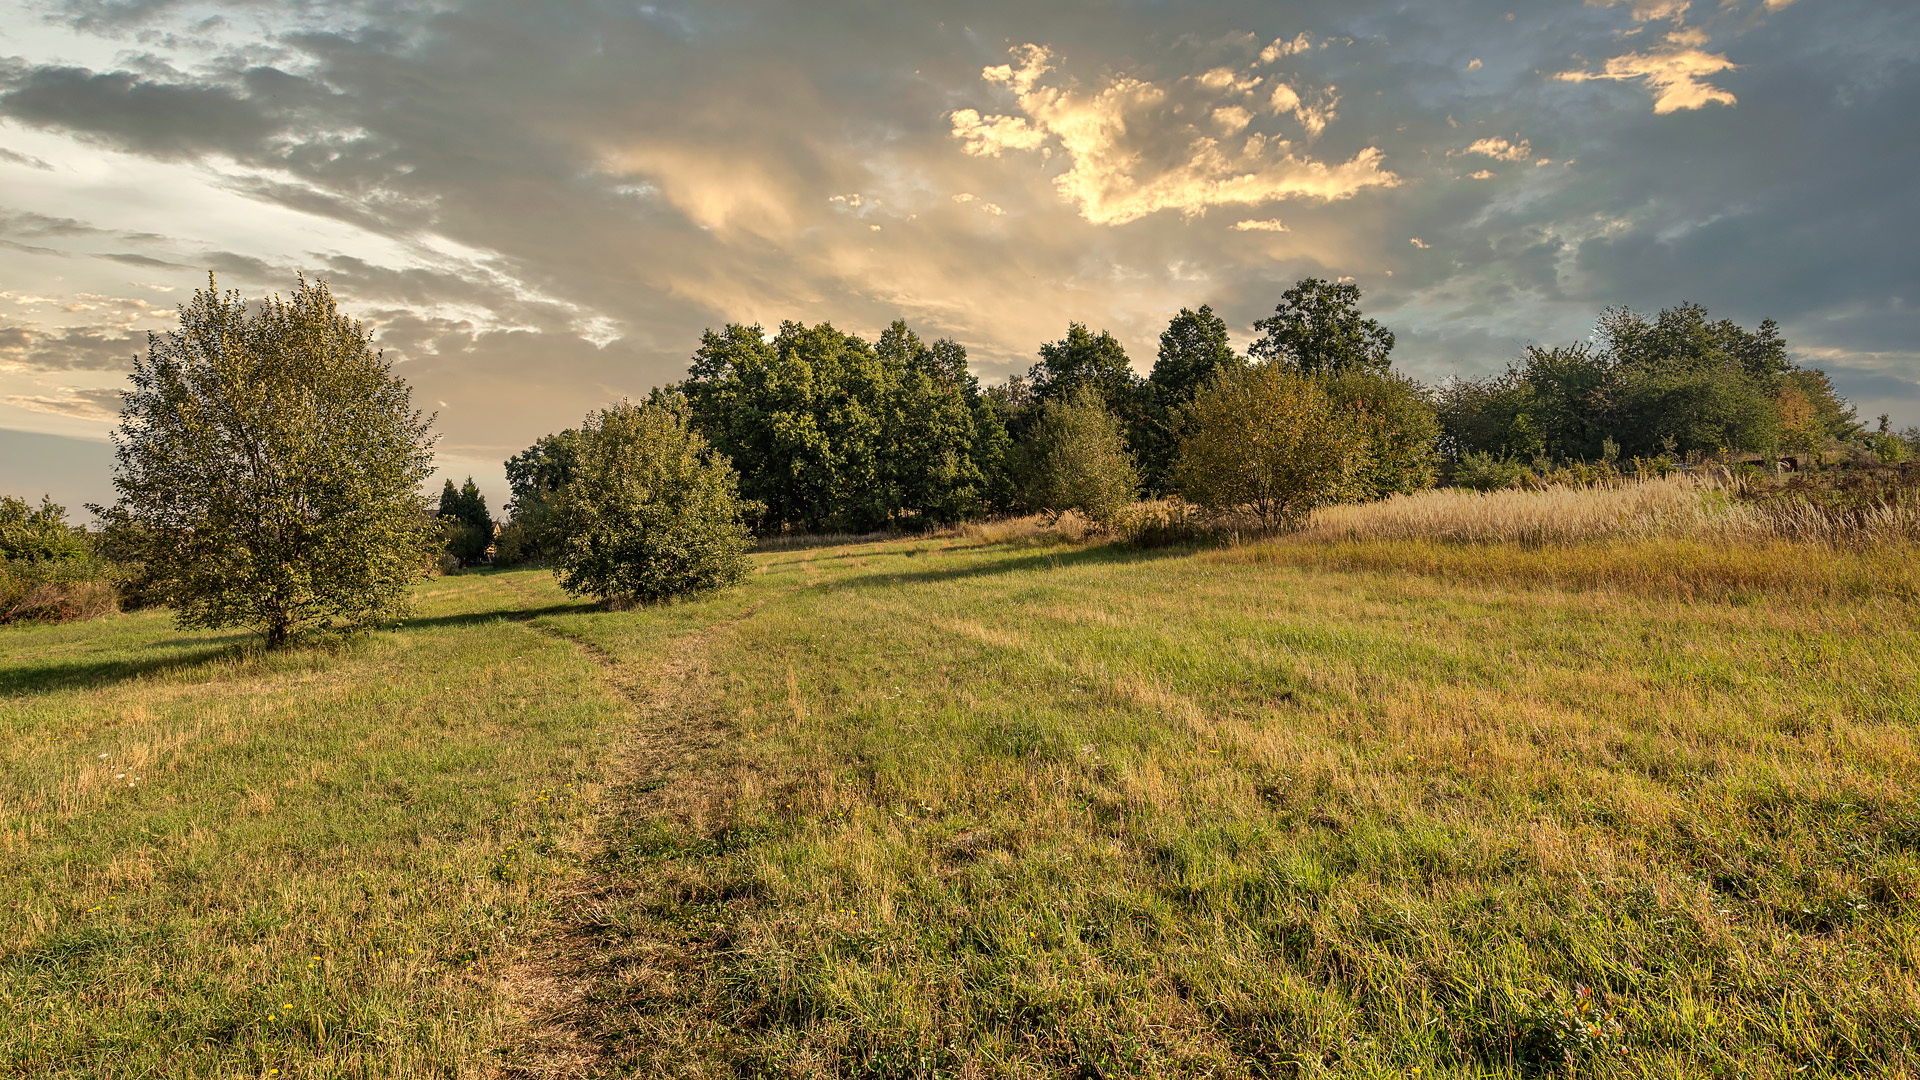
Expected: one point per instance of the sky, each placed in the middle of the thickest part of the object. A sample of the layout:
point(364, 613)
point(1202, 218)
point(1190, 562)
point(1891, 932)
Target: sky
point(537, 208)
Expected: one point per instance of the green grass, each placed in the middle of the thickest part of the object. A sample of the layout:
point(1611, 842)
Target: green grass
point(946, 808)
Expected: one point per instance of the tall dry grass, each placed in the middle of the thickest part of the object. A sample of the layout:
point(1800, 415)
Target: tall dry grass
point(1671, 507)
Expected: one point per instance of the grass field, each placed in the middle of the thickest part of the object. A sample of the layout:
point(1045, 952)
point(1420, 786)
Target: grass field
point(951, 807)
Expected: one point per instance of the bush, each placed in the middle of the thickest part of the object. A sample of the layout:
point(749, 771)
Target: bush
point(1075, 458)
point(1273, 442)
point(35, 535)
point(1401, 429)
point(56, 590)
point(50, 571)
point(652, 512)
point(1484, 471)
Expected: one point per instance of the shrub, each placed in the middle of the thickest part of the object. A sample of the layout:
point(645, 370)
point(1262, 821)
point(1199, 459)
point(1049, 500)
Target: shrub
point(56, 590)
point(1483, 471)
point(1271, 441)
point(35, 535)
point(1401, 429)
point(1075, 458)
point(652, 512)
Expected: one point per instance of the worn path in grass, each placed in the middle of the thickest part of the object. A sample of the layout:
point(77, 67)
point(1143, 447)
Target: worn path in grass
point(949, 808)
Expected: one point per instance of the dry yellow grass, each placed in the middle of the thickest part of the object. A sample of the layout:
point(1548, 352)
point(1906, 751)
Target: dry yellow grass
point(1674, 506)
point(1694, 507)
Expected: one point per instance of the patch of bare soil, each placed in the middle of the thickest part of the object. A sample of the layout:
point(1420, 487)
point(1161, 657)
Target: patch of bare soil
point(553, 983)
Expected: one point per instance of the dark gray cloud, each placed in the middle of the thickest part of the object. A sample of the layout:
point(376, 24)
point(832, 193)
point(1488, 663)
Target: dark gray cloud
point(167, 119)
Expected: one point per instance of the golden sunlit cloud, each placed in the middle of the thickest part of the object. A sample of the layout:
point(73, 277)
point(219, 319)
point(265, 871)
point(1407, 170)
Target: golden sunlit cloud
point(1129, 156)
point(1282, 47)
point(1263, 225)
point(1501, 150)
point(1674, 72)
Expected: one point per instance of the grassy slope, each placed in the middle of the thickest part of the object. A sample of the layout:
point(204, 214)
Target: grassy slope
point(986, 811)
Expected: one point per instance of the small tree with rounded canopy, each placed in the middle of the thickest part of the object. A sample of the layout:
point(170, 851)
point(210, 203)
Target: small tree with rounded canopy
point(1075, 458)
point(1271, 442)
point(269, 468)
point(651, 512)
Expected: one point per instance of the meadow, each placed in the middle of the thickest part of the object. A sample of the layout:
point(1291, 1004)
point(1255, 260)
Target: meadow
point(1002, 803)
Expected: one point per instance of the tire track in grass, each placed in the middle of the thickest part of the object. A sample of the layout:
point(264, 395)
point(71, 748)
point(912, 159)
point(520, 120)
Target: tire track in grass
point(553, 984)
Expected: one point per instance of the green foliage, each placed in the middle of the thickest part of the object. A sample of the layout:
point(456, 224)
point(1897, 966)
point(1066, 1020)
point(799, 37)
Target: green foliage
point(1675, 384)
point(1399, 426)
point(1193, 349)
point(30, 534)
point(57, 590)
point(652, 512)
point(1892, 448)
point(1076, 459)
point(1273, 442)
point(50, 571)
point(467, 523)
point(268, 467)
point(1317, 329)
point(829, 433)
point(1083, 358)
point(1483, 471)
point(534, 477)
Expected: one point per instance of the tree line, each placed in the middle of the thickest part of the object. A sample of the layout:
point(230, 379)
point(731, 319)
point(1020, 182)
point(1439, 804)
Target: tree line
point(828, 432)
point(269, 460)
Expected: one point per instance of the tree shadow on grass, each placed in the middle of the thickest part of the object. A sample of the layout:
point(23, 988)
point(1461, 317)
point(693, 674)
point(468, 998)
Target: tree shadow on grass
point(54, 676)
point(476, 618)
point(1101, 555)
point(89, 674)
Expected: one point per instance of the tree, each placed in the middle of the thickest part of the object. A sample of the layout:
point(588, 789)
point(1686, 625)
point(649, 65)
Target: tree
point(270, 466)
point(830, 433)
point(534, 479)
point(1076, 459)
point(468, 524)
point(1271, 441)
point(1193, 349)
point(1677, 382)
point(1317, 329)
point(1398, 426)
point(652, 512)
point(1083, 358)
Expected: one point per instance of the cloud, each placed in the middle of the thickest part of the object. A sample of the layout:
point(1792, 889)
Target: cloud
point(1262, 225)
point(28, 160)
point(79, 402)
point(1651, 10)
point(1474, 64)
point(164, 119)
point(73, 348)
point(1674, 71)
point(1131, 151)
point(1282, 47)
point(1501, 150)
point(1419, 243)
